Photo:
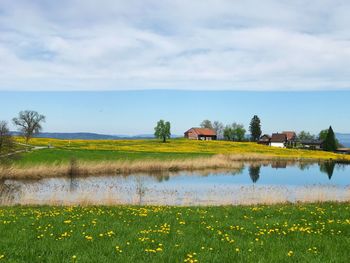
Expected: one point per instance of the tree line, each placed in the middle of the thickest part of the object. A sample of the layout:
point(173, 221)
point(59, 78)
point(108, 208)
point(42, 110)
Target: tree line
point(235, 131)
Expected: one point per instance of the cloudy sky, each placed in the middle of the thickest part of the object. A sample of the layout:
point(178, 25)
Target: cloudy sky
point(176, 44)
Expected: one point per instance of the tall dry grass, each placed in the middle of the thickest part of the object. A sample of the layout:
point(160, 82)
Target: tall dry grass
point(128, 167)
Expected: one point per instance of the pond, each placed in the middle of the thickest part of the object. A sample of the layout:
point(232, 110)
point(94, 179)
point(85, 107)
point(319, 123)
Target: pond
point(253, 183)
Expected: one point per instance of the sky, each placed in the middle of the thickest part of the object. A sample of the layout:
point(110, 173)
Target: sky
point(95, 45)
point(136, 112)
point(117, 67)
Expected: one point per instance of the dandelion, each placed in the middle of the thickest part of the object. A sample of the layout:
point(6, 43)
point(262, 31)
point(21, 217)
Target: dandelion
point(2, 257)
point(290, 253)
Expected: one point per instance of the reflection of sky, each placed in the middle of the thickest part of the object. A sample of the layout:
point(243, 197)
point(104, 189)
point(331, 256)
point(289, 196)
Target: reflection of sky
point(268, 176)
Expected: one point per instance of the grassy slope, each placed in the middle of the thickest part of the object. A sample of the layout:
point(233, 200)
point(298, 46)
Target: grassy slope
point(95, 150)
point(309, 233)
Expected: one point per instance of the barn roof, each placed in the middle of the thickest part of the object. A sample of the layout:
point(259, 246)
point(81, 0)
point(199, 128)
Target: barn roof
point(278, 137)
point(203, 131)
point(290, 135)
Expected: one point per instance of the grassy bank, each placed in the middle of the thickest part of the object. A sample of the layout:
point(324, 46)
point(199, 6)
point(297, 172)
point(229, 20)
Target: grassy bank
point(127, 156)
point(279, 233)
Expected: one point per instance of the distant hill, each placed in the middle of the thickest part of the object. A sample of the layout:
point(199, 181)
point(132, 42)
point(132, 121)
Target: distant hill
point(88, 136)
point(344, 138)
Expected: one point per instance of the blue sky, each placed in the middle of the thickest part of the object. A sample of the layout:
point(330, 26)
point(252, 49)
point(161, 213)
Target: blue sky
point(287, 61)
point(174, 44)
point(136, 112)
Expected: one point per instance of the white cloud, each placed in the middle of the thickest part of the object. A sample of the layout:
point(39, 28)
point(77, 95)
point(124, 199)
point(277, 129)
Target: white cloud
point(221, 44)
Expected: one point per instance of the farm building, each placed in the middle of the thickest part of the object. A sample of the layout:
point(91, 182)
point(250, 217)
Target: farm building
point(291, 138)
point(278, 140)
point(265, 139)
point(313, 144)
point(200, 134)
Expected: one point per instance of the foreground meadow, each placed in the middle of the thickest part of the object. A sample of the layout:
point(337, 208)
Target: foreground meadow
point(278, 233)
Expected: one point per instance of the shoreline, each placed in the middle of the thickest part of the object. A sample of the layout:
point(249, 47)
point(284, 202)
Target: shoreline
point(85, 168)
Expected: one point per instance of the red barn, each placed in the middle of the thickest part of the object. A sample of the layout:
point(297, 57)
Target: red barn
point(204, 134)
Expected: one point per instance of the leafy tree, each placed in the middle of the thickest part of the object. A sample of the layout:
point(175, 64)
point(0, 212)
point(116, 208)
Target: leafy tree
point(305, 136)
point(6, 141)
point(255, 128)
point(234, 132)
point(330, 143)
point(228, 133)
point(162, 130)
point(219, 129)
point(323, 135)
point(206, 124)
point(29, 123)
point(238, 132)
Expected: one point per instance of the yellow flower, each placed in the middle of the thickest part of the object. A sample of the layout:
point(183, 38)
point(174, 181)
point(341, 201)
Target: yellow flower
point(290, 253)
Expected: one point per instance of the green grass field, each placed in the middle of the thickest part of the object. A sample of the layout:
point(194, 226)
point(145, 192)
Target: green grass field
point(110, 150)
point(278, 233)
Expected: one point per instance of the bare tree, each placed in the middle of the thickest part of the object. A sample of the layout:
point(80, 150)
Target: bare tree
point(6, 141)
point(29, 123)
point(219, 128)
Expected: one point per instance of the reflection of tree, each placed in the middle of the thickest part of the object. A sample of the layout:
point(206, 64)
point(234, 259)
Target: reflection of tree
point(7, 192)
point(327, 168)
point(304, 165)
point(254, 172)
point(140, 188)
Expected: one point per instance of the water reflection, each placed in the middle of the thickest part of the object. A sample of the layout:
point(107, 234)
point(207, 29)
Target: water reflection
point(254, 172)
point(259, 182)
point(328, 168)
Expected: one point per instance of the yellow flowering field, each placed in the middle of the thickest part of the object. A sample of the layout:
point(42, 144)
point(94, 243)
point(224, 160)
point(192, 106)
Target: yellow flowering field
point(278, 233)
point(184, 146)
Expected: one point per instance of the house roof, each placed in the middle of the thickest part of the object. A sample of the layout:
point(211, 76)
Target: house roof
point(278, 137)
point(203, 131)
point(313, 142)
point(290, 135)
point(265, 137)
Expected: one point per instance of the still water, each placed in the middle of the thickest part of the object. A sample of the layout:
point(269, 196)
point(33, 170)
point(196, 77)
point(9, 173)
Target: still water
point(251, 184)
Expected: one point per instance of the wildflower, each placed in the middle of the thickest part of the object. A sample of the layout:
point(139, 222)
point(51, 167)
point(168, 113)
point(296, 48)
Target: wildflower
point(74, 257)
point(88, 238)
point(2, 256)
point(290, 253)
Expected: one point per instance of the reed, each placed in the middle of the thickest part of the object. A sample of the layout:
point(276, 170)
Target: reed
point(81, 168)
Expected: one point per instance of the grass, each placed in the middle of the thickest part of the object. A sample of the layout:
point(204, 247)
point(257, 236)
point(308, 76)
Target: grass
point(277, 233)
point(110, 150)
point(126, 156)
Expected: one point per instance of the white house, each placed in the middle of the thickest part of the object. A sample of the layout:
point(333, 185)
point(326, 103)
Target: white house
point(278, 140)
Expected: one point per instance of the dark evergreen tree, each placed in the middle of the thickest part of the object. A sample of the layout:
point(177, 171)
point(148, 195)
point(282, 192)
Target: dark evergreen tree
point(255, 128)
point(330, 143)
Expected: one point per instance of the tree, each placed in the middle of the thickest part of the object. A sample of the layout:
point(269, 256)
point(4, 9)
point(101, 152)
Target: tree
point(29, 123)
point(6, 141)
point(234, 132)
point(228, 133)
point(206, 124)
point(330, 143)
point(323, 135)
point(255, 128)
point(238, 132)
point(162, 130)
point(219, 129)
point(305, 136)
